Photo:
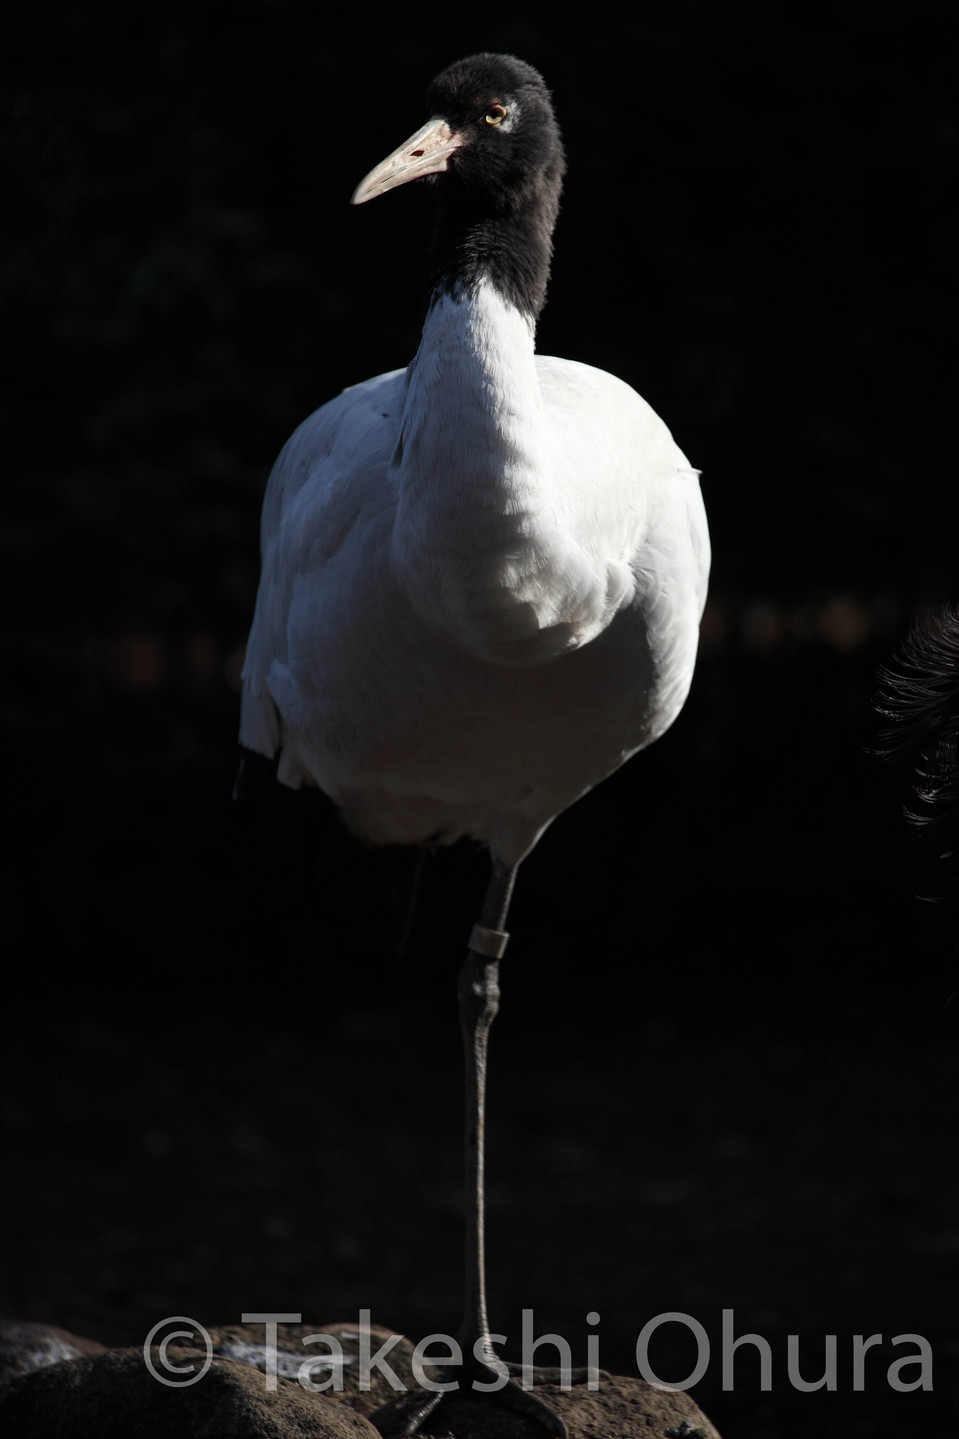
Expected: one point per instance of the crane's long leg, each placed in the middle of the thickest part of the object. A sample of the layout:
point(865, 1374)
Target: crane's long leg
point(478, 1003)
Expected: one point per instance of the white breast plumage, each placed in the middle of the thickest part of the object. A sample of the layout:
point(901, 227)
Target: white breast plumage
point(463, 625)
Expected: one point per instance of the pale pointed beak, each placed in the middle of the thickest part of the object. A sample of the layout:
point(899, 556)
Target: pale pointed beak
point(425, 153)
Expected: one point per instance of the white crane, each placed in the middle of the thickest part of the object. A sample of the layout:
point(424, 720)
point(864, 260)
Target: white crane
point(482, 575)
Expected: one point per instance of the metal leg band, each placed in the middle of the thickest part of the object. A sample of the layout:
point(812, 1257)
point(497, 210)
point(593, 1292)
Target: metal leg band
point(489, 942)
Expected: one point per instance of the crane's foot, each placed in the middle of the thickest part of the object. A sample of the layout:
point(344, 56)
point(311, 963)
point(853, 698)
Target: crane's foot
point(421, 1412)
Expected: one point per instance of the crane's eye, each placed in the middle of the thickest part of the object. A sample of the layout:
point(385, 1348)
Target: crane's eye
point(496, 114)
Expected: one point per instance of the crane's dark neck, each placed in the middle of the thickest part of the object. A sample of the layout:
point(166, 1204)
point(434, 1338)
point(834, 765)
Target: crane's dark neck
point(505, 240)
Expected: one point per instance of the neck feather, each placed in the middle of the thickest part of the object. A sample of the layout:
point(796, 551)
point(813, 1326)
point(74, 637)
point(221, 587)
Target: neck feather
point(472, 421)
point(469, 469)
point(507, 244)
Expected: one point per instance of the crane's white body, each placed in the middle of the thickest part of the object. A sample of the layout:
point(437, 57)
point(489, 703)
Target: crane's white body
point(482, 583)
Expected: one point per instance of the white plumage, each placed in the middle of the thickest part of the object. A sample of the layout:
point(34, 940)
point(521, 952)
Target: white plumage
point(483, 575)
point(482, 584)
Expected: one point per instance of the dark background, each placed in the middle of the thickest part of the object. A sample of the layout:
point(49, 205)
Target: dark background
point(724, 1076)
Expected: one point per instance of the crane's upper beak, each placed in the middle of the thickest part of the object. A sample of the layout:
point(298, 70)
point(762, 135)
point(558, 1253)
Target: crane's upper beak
point(425, 153)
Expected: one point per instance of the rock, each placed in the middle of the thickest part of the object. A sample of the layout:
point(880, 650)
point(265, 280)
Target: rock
point(247, 1343)
point(75, 1388)
point(113, 1395)
point(25, 1347)
point(621, 1408)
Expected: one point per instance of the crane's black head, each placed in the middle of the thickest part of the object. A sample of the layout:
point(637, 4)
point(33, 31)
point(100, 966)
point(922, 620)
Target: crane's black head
point(493, 152)
point(511, 149)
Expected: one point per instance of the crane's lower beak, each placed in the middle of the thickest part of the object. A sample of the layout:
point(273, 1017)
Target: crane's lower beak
point(425, 153)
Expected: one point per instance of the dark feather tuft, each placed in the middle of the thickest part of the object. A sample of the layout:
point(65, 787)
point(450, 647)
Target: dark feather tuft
point(919, 697)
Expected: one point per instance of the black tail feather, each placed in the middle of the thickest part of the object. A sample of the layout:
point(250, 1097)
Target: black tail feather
point(919, 697)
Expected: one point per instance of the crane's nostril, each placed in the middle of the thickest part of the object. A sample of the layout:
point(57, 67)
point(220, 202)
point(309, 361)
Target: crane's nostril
point(416, 153)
